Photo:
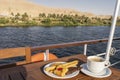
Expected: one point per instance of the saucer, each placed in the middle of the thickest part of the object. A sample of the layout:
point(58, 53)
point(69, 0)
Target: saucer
point(105, 73)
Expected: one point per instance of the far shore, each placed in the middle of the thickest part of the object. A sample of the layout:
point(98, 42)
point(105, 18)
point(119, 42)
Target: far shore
point(47, 25)
point(24, 20)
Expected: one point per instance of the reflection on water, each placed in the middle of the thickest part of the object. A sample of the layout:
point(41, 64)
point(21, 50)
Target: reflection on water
point(36, 36)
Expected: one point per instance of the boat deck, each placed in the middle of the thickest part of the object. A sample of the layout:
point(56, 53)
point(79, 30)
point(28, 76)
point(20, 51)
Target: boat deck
point(34, 71)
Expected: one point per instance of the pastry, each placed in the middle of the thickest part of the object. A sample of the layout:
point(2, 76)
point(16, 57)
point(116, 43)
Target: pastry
point(50, 68)
point(60, 69)
point(64, 71)
point(71, 70)
point(68, 64)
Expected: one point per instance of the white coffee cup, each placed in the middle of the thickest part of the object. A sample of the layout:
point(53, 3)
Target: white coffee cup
point(96, 64)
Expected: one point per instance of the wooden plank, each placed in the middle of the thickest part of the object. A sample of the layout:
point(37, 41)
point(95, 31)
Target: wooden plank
point(21, 62)
point(13, 73)
point(28, 54)
point(15, 52)
point(9, 65)
point(12, 52)
point(70, 44)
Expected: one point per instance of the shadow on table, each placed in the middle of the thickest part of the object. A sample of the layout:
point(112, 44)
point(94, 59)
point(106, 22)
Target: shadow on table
point(14, 73)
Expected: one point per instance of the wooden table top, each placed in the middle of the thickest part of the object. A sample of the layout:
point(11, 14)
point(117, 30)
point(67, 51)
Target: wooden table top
point(34, 71)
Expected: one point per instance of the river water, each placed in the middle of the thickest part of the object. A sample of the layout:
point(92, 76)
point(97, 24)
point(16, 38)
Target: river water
point(37, 36)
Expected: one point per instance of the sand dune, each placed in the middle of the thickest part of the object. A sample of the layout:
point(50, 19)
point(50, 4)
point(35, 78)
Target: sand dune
point(33, 9)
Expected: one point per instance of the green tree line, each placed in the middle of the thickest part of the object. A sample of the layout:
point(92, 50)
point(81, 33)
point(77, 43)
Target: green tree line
point(54, 20)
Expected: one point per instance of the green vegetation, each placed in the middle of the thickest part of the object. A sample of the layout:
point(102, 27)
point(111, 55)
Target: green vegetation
point(54, 20)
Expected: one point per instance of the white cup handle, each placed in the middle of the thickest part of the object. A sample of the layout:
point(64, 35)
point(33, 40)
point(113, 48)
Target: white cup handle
point(107, 64)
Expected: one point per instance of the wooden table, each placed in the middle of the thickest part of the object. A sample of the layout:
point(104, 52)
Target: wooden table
point(34, 71)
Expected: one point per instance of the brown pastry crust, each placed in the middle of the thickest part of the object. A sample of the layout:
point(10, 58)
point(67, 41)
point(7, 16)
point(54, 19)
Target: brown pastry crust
point(71, 70)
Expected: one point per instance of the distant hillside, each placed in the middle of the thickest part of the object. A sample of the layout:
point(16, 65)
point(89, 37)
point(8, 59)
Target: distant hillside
point(32, 9)
point(27, 13)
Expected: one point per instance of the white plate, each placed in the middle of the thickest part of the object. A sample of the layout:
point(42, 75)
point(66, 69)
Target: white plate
point(105, 73)
point(55, 76)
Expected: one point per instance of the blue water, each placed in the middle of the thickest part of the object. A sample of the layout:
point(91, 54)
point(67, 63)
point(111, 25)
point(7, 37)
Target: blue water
point(37, 36)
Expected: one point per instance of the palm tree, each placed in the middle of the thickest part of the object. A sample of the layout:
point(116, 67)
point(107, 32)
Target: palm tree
point(17, 16)
point(12, 13)
point(25, 17)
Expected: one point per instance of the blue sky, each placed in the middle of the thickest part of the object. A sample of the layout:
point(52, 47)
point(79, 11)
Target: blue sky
point(95, 6)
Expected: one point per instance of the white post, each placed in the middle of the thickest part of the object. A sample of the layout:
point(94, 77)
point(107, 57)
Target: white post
point(85, 49)
point(112, 29)
point(46, 55)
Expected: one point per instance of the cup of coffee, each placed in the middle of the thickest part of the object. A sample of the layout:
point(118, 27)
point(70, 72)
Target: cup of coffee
point(96, 64)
